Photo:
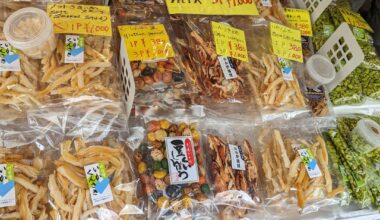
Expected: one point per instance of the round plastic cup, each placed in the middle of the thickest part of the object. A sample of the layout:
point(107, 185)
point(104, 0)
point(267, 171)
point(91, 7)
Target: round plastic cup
point(320, 71)
point(31, 31)
point(369, 130)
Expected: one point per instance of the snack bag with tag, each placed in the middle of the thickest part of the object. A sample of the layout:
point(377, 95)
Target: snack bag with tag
point(232, 168)
point(171, 166)
point(297, 168)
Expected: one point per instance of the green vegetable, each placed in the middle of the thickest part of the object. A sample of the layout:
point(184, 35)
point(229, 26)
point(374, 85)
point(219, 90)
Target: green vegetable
point(323, 28)
point(349, 91)
point(156, 165)
point(371, 83)
point(164, 163)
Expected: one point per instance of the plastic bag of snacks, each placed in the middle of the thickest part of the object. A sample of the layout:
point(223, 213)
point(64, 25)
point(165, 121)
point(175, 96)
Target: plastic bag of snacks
point(152, 56)
point(297, 168)
point(271, 10)
point(232, 168)
point(93, 179)
point(171, 167)
point(323, 28)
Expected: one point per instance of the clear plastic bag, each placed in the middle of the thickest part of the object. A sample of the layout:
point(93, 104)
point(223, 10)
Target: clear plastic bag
point(232, 168)
point(273, 12)
point(174, 179)
point(323, 28)
point(93, 179)
point(297, 169)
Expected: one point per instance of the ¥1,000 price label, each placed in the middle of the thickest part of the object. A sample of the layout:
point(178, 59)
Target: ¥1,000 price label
point(80, 19)
point(286, 42)
point(300, 20)
point(229, 41)
point(146, 42)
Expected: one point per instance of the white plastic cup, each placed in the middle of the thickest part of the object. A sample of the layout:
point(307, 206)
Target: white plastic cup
point(319, 71)
point(31, 31)
point(369, 131)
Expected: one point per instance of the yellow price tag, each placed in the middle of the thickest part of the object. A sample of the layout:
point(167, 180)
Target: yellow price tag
point(80, 19)
point(299, 19)
point(355, 19)
point(212, 7)
point(229, 41)
point(146, 42)
point(286, 42)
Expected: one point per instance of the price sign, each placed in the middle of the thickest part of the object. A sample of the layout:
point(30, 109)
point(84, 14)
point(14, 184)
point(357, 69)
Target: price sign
point(286, 42)
point(212, 7)
point(146, 42)
point(229, 41)
point(80, 19)
point(300, 20)
point(355, 19)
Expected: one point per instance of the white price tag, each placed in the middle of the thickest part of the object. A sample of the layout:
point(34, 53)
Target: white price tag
point(286, 69)
point(227, 67)
point(310, 163)
point(7, 186)
point(98, 183)
point(9, 57)
point(237, 157)
point(74, 49)
point(183, 167)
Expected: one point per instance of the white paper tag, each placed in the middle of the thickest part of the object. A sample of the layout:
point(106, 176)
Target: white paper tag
point(237, 159)
point(266, 3)
point(227, 67)
point(310, 163)
point(183, 167)
point(10, 59)
point(7, 186)
point(74, 49)
point(286, 69)
point(98, 183)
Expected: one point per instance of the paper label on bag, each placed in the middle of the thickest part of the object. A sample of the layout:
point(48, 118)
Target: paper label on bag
point(300, 20)
point(362, 35)
point(237, 157)
point(7, 185)
point(146, 42)
point(378, 166)
point(286, 69)
point(80, 19)
point(286, 42)
point(310, 162)
point(74, 49)
point(228, 67)
point(355, 19)
point(229, 41)
point(98, 183)
point(266, 3)
point(212, 7)
point(10, 59)
point(183, 167)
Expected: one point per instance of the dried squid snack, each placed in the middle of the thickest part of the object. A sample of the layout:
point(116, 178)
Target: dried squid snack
point(297, 168)
point(24, 167)
point(75, 185)
point(96, 76)
point(273, 12)
point(174, 179)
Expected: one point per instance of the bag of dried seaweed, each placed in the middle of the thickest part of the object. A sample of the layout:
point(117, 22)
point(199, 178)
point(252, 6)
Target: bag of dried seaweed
point(170, 162)
point(232, 168)
point(149, 53)
point(296, 167)
point(93, 178)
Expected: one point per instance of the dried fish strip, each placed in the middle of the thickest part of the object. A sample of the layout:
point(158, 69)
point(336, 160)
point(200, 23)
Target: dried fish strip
point(285, 170)
point(30, 185)
point(68, 187)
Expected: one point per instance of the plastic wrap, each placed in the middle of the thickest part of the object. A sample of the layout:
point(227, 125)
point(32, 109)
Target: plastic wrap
point(175, 184)
point(297, 169)
point(323, 28)
point(233, 169)
point(272, 11)
point(93, 179)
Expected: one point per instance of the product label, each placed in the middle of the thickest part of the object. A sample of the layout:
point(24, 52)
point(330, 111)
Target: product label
point(266, 3)
point(286, 69)
point(10, 59)
point(286, 42)
point(378, 166)
point(315, 94)
point(309, 160)
point(237, 157)
point(7, 185)
point(229, 41)
point(98, 183)
point(228, 67)
point(300, 20)
point(355, 19)
point(80, 19)
point(146, 42)
point(183, 167)
point(212, 7)
point(362, 35)
point(74, 49)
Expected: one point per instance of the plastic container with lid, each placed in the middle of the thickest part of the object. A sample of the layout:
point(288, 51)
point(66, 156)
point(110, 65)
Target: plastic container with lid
point(31, 31)
point(366, 136)
point(319, 71)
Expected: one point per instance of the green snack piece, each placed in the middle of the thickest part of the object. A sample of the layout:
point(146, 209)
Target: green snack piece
point(205, 188)
point(164, 164)
point(371, 83)
point(156, 165)
point(349, 91)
